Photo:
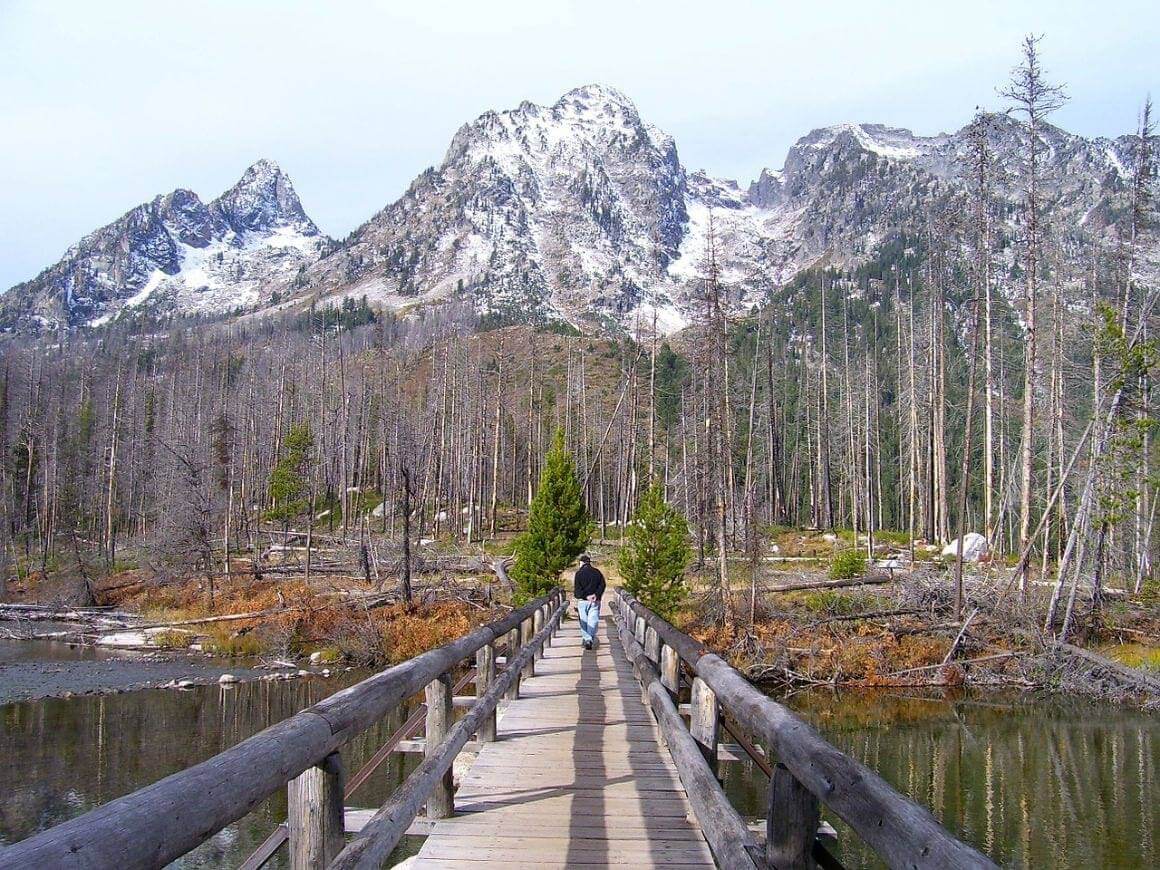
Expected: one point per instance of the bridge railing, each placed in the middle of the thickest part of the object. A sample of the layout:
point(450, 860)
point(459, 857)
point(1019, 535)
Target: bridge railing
point(808, 772)
point(157, 824)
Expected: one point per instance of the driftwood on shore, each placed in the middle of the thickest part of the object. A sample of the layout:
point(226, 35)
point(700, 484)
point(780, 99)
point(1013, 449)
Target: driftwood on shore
point(47, 613)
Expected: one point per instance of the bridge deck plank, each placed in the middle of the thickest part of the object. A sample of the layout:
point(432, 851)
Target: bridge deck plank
point(578, 777)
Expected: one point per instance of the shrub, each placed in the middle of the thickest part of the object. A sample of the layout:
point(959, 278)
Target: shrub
point(223, 642)
point(827, 601)
point(171, 639)
point(848, 564)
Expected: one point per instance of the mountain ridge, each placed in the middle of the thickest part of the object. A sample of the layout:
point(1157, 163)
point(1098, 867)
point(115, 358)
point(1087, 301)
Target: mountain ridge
point(579, 211)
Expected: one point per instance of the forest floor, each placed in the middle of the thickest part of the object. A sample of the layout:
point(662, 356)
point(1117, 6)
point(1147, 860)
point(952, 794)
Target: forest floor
point(899, 629)
point(888, 628)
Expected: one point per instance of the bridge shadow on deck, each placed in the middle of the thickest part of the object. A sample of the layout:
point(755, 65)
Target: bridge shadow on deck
point(587, 832)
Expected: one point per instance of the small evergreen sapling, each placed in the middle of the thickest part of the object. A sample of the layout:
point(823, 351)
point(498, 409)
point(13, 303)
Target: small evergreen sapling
point(847, 565)
point(559, 528)
point(290, 478)
point(655, 554)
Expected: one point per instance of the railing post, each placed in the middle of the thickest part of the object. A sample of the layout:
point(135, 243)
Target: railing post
point(314, 814)
point(704, 720)
point(638, 630)
point(537, 624)
point(526, 635)
point(513, 650)
point(484, 677)
point(652, 645)
point(791, 822)
point(441, 801)
point(670, 670)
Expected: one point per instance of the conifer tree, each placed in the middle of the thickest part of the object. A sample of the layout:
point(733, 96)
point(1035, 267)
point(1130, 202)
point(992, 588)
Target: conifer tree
point(289, 479)
point(655, 553)
point(559, 527)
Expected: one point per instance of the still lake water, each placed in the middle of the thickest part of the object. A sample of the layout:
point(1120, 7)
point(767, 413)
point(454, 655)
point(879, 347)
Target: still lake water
point(1030, 781)
point(62, 757)
point(1033, 782)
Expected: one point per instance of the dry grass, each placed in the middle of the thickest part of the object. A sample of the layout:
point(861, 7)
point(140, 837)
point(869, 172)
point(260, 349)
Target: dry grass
point(312, 621)
point(391, 635)
point(1135, 655)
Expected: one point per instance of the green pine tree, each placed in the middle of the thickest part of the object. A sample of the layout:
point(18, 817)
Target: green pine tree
point(655, 554)
point(289, 479)
point(559, 527)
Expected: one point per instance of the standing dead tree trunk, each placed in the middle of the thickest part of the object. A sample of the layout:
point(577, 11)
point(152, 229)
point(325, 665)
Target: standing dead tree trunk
point(1034, 98)
point(405, 568)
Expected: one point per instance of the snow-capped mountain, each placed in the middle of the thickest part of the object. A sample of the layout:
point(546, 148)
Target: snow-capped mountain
point(584, 211)
point(177, 252)
point(580, 211)
point(579, 206)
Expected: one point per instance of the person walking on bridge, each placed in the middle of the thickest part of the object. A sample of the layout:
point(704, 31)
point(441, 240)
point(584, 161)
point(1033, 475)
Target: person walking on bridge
point(589, 589)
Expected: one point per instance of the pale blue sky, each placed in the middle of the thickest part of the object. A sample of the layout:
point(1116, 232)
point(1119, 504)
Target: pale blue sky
point(105, 104)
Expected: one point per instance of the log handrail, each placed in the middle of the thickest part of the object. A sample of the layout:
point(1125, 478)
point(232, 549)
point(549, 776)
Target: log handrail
point(729, 838)
point(382, 833)
point(902, 832)
point(159, 823)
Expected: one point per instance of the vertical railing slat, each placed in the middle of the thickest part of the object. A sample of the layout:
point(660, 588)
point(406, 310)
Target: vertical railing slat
point(314, 814)
point(440, 803)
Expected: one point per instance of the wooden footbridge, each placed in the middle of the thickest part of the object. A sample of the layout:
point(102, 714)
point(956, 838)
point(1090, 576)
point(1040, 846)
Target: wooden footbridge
point(590, 763)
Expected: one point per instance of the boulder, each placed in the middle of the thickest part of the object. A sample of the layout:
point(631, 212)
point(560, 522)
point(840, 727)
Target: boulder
point(974, 547)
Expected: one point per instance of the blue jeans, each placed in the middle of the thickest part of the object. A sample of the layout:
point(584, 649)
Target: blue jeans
point(589, 613)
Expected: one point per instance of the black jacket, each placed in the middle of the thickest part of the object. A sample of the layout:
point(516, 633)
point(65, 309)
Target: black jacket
point(589, 581)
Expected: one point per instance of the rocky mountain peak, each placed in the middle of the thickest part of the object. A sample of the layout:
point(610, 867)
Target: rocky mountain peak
point(534, 210)
point(175, 252)
point(597, 101)
point(262, 200)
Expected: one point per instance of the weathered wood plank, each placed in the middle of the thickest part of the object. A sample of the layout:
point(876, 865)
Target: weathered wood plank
point(791, 823)
point(484, 677)
point(383, 832)
point(577, 777)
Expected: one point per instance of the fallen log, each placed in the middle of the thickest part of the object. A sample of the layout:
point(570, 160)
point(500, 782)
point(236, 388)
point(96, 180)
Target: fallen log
point(500, 566)
point(1117, 670)
point(873, 614)
point(988, 658)
point(43, 613)
point(873, 579)
point(205, 620)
